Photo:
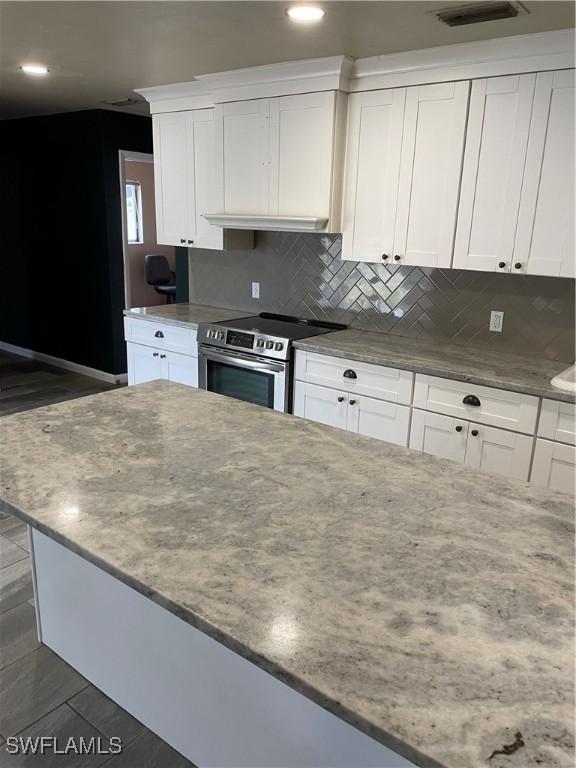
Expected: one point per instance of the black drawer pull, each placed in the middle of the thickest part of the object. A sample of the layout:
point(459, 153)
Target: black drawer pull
point(350, 374)
point(159, 335)
point(474, 433)
point(471, 400)
point(384, 256)
point(502, 264)
point(340, 399)
point(458, 428)
point(352, 402)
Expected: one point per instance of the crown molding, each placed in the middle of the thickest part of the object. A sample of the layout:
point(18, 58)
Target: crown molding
point(487, 58)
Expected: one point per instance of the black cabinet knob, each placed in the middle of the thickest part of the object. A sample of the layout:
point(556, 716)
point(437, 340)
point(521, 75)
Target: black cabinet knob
point(502, 264)
point(190, 242)
point(154, 354)
point(517, 265)
point(385, 256)
point(471, 400)
point(474, 433)
point(182, 239)
point(352, 402)
point(159, 335)
point(350, 374)
point(458, 428)
point(397, 258)
point(340, 399)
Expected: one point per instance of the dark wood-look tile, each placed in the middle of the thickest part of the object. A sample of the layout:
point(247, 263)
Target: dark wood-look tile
point(15, 585)
point(10, 552)
point(104, 714)
point(18, 635)
point(148, 751)
point(34, 686)
point(63, 723)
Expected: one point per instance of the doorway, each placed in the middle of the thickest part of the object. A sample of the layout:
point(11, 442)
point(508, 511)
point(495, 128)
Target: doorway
point(139, 228)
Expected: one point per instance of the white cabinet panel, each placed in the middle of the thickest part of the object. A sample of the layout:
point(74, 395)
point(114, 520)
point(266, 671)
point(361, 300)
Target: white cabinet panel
point(375, 121)
point(181, 368)
point(558, 421)
point(301, 136)
point(498, 451)
point(497, 407)
point(432, 147)
point(545, 239)
point(355, 377)
point(242, 144)
point(379, 419)
point(439, 435)
point(496, 141)
point(202, 179)
point(144, 364)
point(328, 406)
point(170, 178)
point(163, 336)
point(554, 466)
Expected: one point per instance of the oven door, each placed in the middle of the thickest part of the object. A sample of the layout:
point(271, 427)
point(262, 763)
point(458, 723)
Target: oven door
point(245, 377)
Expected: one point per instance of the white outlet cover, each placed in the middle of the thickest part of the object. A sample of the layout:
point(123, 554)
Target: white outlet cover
point(255, 290)
point(496, 321)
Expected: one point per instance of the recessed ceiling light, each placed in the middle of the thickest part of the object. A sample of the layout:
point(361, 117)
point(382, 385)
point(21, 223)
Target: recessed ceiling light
point(305, 14)
point(34, 69)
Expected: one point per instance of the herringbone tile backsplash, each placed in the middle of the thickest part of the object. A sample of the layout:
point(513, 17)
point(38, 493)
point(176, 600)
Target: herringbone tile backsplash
point(303, 274)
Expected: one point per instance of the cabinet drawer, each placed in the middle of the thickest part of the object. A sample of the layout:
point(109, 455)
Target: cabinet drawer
point(161, 335)
point(496, 407)
point(357, 378)
point(554, 466)
point(558, 421)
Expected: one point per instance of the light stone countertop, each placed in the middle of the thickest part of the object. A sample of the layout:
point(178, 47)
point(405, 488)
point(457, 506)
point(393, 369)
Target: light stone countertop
point(490, 368)
point(428, 605)
point(185, 314)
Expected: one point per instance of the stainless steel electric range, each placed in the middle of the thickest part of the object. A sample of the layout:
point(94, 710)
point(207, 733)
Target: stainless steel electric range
point(252, 358)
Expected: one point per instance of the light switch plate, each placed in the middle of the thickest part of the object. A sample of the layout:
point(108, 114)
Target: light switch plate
point(496, 321)
point(255, 290)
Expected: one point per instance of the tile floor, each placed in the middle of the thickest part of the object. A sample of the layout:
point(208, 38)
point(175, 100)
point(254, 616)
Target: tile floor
point(40, 695)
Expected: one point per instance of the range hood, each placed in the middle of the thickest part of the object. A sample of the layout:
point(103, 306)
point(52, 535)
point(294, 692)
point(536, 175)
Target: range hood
point(272, 223)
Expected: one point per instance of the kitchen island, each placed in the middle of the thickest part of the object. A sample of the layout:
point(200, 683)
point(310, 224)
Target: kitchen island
point(425, 609)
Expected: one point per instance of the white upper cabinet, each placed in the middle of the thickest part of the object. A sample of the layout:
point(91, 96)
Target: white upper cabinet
point(497, 137)
point(545, 239)
point(404, 158)
point(280, 157)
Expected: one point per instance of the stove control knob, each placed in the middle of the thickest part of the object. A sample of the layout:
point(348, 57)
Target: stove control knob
point(260, 343)
point(269, 344)
point(220, 335)
point(278, 346)
point(209, 334)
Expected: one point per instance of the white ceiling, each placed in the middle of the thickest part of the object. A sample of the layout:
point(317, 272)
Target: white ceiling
point(101, 50)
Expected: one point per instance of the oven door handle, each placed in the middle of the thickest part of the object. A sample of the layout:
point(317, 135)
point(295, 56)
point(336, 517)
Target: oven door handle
point(242, 360)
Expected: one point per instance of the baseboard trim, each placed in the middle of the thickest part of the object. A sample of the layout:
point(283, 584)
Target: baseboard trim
point(68, 365)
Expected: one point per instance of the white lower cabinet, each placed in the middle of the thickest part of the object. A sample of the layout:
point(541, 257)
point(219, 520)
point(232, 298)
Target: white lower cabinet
point(485, 448)
point(147, 364)
point(362, 415)
point(554, 466)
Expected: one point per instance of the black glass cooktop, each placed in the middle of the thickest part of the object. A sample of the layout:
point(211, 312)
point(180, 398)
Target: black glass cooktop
point(284, 326)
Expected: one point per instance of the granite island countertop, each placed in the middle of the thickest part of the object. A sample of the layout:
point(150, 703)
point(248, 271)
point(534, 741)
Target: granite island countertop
point(426, 604)
point(490, 368)
point(190, 315)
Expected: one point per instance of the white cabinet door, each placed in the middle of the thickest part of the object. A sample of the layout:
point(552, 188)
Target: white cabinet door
point(181, 368)
point(328, 406)
point(242, 156)
point(375, 121)
point(496, 141)
point(144, 363)
point(545, 239)
point(171, 168)
point(558, 421)
point(498, 451)
point(379, 419)
point(554, 466)
point(201, 178)
point(301, 146)
point(432, 147)
point(439, 435)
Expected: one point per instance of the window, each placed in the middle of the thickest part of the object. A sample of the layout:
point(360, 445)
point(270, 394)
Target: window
point(134, 212)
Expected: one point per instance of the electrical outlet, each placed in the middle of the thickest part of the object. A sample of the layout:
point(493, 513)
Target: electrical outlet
point(255, 290)
point(496, 321)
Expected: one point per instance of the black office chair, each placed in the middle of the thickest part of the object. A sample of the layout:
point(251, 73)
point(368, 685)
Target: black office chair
point(160, 276)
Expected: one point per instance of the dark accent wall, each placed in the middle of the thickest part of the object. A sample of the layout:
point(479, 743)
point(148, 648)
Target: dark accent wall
point(61, 264)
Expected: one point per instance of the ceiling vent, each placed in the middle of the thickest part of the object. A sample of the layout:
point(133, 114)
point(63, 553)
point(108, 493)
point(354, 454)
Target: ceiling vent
point(479, 12)
point(122, 101)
